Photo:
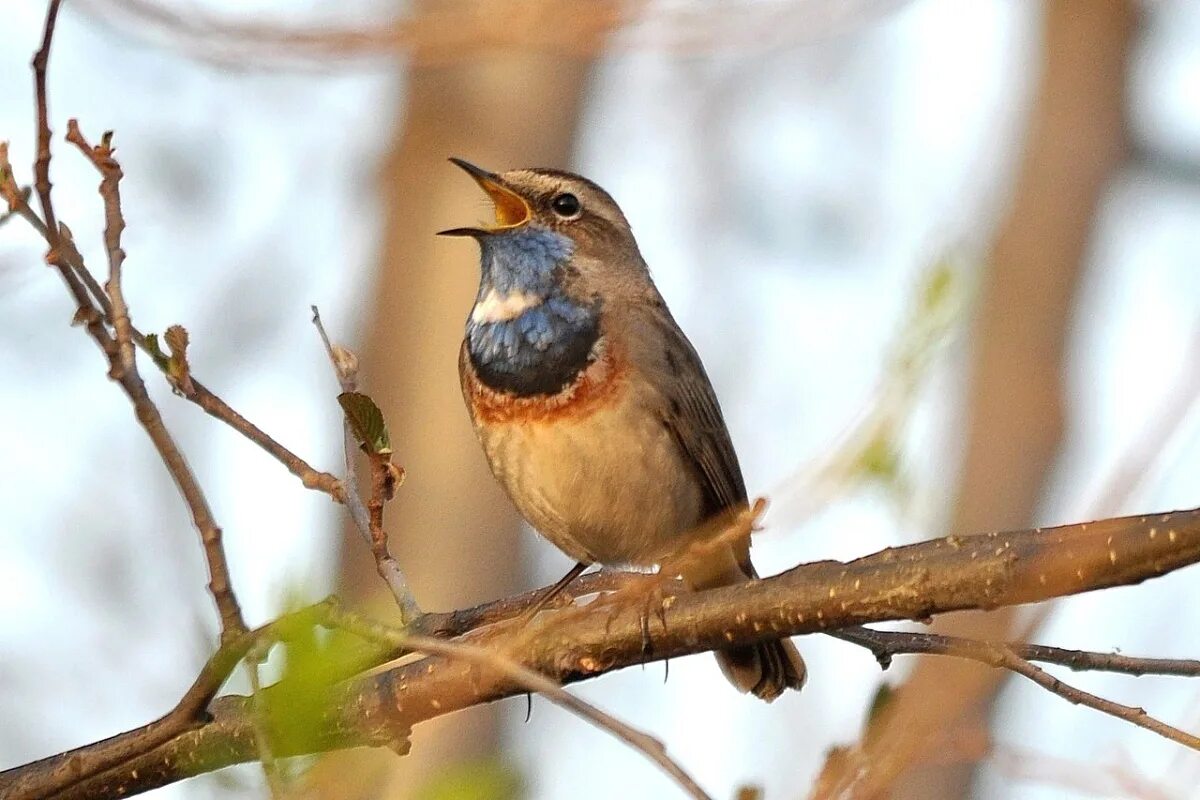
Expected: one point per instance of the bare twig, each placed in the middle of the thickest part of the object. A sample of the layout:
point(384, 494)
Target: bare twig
point(126, 374)
point(385, 477)
point(85, 313)
point(345, 366)
point(41, 167)
point(1138, 716)
point(102, 159)
point(1005, 656)
point(652, 748)
point(24, 193)
point(217, 408)
point(193, 390)
point(886, 644)
point(147, 413)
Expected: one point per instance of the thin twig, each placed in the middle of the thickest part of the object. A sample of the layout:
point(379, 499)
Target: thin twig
point(84, 312)
point(217, 408)
point(41, 167)
point(102, 159)
point(146, 412)
point(368, 517)
point(997, 654)
point(886, 644)
point(1138, 716)
point(345, 366)
point(193, 390)
point(25, 192)
point(126, 374)
point(649, 746)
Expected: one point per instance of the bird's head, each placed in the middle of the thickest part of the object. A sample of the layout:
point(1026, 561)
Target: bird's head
point(553, 230)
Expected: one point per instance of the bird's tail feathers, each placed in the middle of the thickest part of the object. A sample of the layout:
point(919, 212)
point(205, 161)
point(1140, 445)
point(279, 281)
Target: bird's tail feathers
point(765, 670)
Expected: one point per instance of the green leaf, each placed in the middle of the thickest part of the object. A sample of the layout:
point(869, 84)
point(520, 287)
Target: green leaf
point(487, 779)
point(156, 353)
point(880, 459)
point(298, 706)
point(939, 288)
point(366, 421)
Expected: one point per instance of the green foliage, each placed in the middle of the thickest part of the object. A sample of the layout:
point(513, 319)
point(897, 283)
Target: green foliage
point(315, 660)
point(875, 452)
point(485, 779)
point(152, 348)
point(880, 460)
point(366, 421)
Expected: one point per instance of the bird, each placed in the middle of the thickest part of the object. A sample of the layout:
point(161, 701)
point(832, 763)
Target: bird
point(592, 407)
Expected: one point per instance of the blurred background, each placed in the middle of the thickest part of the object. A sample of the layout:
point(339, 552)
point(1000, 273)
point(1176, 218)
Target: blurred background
point(940, 259)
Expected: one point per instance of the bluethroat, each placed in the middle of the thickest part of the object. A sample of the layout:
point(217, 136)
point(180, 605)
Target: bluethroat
point(592, 407)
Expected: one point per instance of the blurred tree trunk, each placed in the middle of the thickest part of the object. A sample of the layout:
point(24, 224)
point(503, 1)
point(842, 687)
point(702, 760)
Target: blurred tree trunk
point(453, 531)
point(1075, 142)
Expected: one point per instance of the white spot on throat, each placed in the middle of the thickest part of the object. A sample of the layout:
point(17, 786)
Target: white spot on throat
point(496, 307)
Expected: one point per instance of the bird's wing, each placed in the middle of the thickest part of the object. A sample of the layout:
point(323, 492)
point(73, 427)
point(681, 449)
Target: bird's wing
point(693, 416)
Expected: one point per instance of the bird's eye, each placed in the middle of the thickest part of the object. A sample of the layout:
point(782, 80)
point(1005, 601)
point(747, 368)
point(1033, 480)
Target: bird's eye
point(566, 205)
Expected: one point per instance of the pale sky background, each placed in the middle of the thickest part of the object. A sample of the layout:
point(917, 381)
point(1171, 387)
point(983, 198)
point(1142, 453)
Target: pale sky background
point(846, 164)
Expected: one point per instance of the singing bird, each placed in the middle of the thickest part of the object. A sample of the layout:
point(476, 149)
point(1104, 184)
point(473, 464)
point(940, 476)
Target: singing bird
point(591, 405)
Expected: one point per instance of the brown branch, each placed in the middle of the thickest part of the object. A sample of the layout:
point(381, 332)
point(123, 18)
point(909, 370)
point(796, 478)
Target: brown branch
point(41, 167)
point(1009, 657)
point(649, 746)
point(125, 373)
point(78, 274)
point(84, 311)
point(1138, 716)
point(385, 478)
point(102, 159)
point(914, 582)
point(884, 645)
point(217, 408)
point(23, 193)
point(42, 778)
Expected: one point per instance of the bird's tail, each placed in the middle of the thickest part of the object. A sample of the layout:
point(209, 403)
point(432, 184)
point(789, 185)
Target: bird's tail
point(766, 669)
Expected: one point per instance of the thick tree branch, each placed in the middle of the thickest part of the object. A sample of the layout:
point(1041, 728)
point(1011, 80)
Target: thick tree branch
point(490, 658)
point(913, 582)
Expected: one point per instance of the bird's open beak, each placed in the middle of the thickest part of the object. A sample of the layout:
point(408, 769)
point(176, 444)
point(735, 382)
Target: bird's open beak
point(511, 209)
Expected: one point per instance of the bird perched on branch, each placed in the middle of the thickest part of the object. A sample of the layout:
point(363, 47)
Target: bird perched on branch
point(592, 406)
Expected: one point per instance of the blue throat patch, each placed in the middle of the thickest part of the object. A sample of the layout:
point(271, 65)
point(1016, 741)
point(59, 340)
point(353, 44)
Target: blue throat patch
point(546, 346)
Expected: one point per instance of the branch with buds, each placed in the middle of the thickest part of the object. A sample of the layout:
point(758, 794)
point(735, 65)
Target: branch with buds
point(338, 691)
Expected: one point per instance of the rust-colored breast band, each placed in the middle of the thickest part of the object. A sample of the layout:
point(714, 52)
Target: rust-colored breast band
point(594, 388)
